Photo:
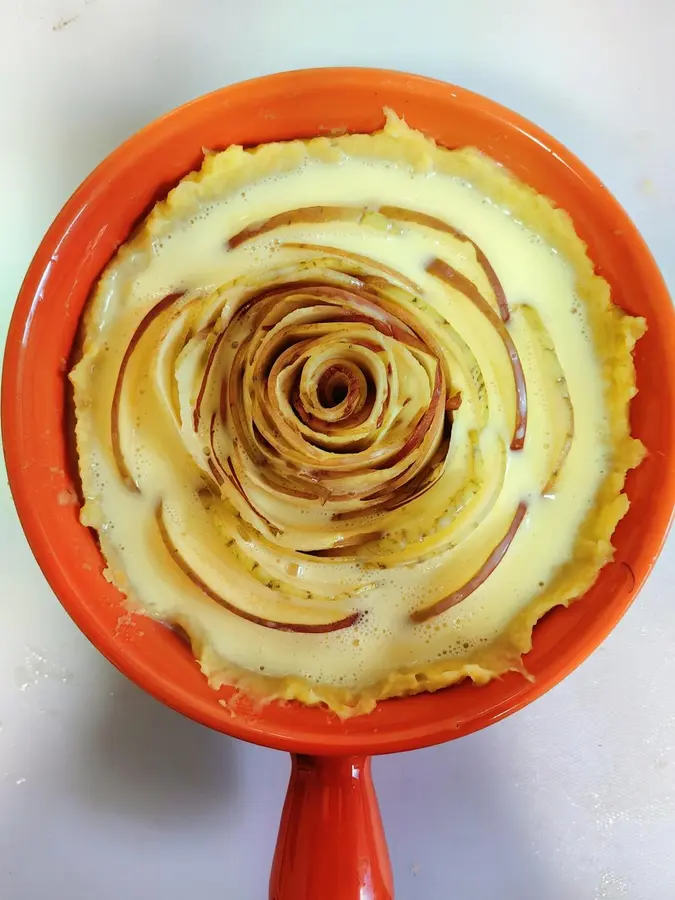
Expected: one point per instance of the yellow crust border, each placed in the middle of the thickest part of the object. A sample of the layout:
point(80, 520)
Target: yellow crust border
point(615, 334)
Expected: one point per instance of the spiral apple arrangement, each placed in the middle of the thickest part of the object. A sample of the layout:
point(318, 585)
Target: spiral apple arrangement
point(330, 415)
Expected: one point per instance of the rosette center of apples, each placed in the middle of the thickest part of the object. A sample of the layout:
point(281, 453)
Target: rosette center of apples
point(324, 391)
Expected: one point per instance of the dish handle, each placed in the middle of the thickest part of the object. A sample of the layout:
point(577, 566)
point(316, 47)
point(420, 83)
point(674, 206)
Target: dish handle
point(331, 842)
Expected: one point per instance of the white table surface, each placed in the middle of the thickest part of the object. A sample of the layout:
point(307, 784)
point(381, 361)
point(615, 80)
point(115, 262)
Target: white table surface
point(106, 794)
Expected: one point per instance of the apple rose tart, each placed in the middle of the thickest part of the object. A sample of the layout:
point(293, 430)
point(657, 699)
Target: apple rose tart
point(353, 414)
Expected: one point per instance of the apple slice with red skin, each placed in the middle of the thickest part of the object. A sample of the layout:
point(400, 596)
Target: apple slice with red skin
point(345, 546)
point(146, 322)
point(422, 427)
point(559, 396)
point(198, 581)
point(197, 412)
point(307, 215)
point(400, 214)
point(461, 283)
point(360, 260)
point(488, 567)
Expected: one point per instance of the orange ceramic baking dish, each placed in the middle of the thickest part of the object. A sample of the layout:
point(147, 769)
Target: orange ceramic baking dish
point(331, 845)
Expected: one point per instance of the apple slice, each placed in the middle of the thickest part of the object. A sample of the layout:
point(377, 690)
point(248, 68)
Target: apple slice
point(344, 546)
point(307, 215)
point(559, 402)
point(233, 478)
point(400, 214)
point(425, 423)
point(465, 504)
point(457, 348)
point(361, 261)
point(197, 412)
point(263, 595)
point(115, 438)
point(459, 282)
point(488, 567)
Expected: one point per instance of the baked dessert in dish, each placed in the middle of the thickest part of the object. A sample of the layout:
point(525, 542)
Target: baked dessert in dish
point(353, 413)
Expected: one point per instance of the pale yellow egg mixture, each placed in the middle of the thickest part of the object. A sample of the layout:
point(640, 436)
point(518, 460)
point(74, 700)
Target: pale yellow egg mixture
point(353, 412)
